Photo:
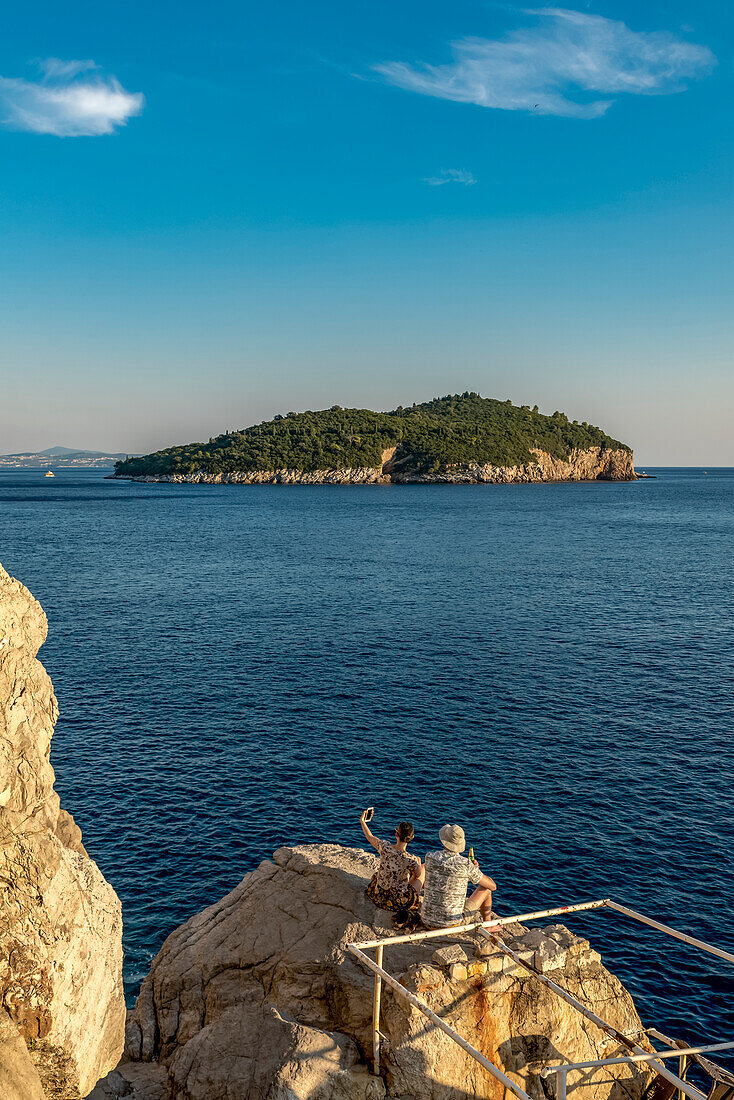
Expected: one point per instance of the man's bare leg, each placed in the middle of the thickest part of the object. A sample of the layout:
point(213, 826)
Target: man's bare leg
point(481, 899)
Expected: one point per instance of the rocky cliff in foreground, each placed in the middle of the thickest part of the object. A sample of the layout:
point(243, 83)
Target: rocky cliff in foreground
point(592, 464)
point(258, 998)
point(62, 1011)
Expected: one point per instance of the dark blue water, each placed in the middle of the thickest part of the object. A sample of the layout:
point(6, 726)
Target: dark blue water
point(551, 666)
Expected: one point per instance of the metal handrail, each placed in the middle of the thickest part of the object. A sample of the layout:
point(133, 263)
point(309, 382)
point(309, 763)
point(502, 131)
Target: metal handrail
point(687, 1089)
point(561, 1071)
point(496, 922)
point(625, 1040)
point(673, 1053)
point(691, 940)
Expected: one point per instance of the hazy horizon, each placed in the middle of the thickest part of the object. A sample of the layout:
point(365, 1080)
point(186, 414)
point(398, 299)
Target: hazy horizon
point(159, 442)
point(640, 462)
point(244, 212)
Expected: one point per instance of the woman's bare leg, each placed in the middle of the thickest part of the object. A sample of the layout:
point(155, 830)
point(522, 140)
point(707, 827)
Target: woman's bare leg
point(417, 881)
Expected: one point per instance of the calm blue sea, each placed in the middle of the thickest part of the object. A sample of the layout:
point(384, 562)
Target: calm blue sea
point(549, 665)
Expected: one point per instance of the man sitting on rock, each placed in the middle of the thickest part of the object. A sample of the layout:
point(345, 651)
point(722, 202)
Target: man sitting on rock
point(447, 877)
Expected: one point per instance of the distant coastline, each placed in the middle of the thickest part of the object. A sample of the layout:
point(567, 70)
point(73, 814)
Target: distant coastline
point(60, 458)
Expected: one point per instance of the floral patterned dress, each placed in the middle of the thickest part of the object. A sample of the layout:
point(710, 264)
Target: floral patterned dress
point(389, 887)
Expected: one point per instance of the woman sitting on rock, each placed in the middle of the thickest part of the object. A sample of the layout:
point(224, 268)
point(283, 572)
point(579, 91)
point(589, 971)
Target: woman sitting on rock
point(397, 883)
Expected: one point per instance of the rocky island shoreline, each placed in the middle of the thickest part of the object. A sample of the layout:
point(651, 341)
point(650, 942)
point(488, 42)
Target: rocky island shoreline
point(462, 439)
point(593, 464)
point(258, 996)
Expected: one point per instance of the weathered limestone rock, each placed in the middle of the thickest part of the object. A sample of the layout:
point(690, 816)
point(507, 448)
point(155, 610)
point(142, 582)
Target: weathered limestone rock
point(290, 1060)
point(142, 1081)
point(258, 997)
point(60, 921)
point(516, 1022)
point(19, 1078)
point(593, 464)
point(447, 957)
point(361, 475)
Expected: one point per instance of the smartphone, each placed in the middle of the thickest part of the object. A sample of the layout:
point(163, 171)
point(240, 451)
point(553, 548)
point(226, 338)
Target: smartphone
point(370, 814)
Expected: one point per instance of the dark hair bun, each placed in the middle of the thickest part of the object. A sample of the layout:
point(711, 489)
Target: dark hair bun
point(405, 831)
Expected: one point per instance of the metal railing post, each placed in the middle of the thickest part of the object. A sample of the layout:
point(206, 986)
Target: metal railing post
point(395, 985)
point(376, 994)
point(561, 1084)
point(682, 1066)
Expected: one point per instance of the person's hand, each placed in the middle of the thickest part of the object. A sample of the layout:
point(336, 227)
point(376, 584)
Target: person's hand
point(363, 818)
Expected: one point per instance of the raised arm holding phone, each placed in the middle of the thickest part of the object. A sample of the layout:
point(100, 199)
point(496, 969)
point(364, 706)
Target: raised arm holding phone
point(396, 883)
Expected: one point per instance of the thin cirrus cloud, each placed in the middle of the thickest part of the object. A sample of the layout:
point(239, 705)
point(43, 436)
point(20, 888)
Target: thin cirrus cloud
point(451, 175)
point(72, 99)
point(559, 66)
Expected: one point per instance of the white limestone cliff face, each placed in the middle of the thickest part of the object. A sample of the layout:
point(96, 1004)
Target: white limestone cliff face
point(593, 464)
point(60, 921)
point(257, 998)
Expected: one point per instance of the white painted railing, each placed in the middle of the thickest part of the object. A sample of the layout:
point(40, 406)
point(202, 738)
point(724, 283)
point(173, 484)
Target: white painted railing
point(637, 1054)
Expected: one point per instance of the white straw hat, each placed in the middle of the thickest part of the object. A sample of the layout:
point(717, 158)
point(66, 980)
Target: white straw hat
point(452, 837)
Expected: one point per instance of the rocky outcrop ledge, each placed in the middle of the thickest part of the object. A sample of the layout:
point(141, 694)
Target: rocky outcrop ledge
point(593, 464)
point(62, 1012)
point(258, 998)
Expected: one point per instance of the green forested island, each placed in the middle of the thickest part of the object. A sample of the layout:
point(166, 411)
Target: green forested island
point(448, 431)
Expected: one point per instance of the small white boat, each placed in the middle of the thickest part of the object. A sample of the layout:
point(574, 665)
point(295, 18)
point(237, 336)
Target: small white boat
point(49, 473)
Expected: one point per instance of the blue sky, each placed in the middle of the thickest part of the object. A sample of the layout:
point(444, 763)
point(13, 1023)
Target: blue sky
point(213, 213)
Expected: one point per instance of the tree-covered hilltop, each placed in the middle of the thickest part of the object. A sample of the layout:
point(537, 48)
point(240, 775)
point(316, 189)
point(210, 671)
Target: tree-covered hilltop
point(448, 430)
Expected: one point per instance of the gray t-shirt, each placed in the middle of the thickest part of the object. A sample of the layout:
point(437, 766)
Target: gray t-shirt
point(444, 893)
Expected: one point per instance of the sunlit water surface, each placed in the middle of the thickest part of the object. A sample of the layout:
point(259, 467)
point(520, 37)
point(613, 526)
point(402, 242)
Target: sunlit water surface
point(549, 665)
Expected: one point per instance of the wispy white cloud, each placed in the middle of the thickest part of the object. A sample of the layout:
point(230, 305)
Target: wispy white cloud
point(70, 100)
point(559, 66)
point(53, 68)
point(451, 175)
